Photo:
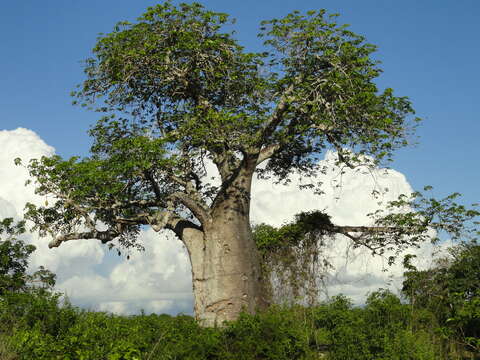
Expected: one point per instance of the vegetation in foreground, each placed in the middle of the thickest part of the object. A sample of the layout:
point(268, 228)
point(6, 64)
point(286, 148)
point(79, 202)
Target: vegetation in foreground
point(441, 321)
point(35, 326)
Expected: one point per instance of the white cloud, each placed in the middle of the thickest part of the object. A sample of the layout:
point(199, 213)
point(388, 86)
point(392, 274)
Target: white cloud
point(347, 194)
point(160, 275)
point(348, 198)
point(159, 279)
point(6, 209)
point(26, 145)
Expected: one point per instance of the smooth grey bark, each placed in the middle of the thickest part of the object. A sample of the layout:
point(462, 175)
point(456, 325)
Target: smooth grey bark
point(226, 269)
point(226, 272)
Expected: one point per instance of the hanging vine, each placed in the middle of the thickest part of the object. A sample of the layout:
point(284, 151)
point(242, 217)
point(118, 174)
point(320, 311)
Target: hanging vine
point(294, 261)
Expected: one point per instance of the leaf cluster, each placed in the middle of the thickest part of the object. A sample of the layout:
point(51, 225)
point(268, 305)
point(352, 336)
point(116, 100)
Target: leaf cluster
point(417, 218)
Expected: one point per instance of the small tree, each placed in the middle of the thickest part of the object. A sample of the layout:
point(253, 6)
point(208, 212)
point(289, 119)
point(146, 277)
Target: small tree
point(13, 257)
point(177, 91)
point(14, 254)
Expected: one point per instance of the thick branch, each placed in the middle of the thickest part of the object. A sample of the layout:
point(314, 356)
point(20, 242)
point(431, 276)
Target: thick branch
point(267, 153)
point(158, 221)
point(194, 205)
point(103, 236)
point(170, 220)
point(277, 115)
point(178, 226)
point(227, 164)
point(365, 229)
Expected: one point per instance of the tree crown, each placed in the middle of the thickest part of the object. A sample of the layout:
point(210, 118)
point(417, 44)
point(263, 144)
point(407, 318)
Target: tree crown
point(177, 89)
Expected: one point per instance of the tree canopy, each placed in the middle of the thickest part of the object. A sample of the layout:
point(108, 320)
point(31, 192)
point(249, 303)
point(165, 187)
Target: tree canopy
point(178, 89)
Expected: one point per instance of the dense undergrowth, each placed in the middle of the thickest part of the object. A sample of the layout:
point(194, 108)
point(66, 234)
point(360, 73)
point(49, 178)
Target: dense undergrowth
point(441, 320)
point(38, 325)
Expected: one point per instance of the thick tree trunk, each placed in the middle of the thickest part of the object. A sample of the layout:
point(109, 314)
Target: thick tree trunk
point(226, 272)
point(226, 269)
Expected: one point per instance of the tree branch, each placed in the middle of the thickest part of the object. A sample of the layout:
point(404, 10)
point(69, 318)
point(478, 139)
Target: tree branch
point(365, 229)
point(160, 220)
point(277, 116)
point(267, 153)
point(178, 180)
point(340, 152)
point(154, 184)
point(171, 221)
point(88, 220)
point(103, 236)
point(140, 203)
point(200, 211)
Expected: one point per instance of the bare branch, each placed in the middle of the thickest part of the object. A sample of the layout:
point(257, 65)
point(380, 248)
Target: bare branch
point(103, 236)
point(365, 229)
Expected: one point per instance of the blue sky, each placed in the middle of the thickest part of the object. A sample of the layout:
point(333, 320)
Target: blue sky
point(429, 51)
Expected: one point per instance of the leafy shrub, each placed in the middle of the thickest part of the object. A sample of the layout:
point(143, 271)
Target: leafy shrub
point(274, 334)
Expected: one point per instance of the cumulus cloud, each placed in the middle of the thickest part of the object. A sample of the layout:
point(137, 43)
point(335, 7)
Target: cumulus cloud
point(25, 144)
point(348, 196)
point(159, 279)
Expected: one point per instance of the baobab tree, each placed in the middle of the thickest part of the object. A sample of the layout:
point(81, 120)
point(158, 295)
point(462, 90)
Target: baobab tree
point(177, 90)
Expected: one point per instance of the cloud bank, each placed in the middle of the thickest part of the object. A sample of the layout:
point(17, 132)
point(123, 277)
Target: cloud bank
point(159, 279)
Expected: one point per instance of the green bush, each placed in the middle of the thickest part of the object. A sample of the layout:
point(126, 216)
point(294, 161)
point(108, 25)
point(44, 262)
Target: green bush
point(275, 334)
point(382, 330)
point(345, 329)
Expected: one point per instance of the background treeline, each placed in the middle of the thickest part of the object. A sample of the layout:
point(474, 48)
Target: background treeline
point(441, 320)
